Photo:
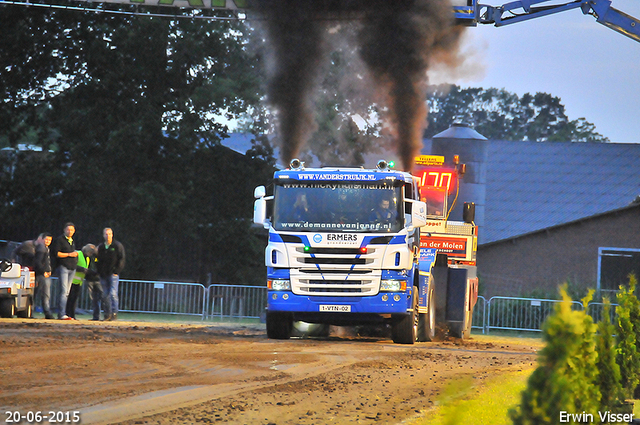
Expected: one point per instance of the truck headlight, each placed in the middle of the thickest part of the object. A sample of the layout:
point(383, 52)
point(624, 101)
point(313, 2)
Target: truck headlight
point(279, 284)
point(392, 285)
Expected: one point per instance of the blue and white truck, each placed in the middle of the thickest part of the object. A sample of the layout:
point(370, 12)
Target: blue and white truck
point(344, 249)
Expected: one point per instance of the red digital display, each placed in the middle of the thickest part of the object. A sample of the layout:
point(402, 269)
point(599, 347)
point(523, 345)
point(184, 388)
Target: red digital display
point(441, 178)
point(436, 183)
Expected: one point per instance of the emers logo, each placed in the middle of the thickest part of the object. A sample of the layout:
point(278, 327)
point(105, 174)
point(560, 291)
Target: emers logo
point(342, 237)
point(317, 238)
point(348, 239)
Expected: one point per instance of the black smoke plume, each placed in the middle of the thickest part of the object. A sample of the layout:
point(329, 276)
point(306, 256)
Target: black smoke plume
point(398, 40)
point(295, 32)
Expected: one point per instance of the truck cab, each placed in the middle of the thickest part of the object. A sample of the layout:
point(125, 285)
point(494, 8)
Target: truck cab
point(343, 248)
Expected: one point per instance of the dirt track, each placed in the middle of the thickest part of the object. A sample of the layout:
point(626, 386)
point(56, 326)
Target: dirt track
point(144, 373)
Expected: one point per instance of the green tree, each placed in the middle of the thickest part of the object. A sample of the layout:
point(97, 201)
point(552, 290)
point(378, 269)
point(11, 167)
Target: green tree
point(585, 371)
point(564, 378)
point(29, 63)
point(627, 329)
point(346, 113)
point(500, 115)
point(137, 141)
point(609, 379)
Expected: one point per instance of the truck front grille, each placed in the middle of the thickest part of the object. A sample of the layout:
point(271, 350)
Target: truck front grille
point(341, 261)
point(337, 271)
point(335, 284)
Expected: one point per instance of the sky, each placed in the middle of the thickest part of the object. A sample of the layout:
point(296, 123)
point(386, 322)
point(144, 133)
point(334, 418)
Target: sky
point(594, 70)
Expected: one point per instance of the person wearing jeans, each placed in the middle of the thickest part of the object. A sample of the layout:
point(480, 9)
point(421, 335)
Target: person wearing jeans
point(64, 251)
point(110, 263)
point(42, 269)
point(93, 282)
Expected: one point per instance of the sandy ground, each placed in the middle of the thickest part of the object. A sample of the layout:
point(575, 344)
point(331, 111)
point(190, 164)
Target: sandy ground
point(145, 373)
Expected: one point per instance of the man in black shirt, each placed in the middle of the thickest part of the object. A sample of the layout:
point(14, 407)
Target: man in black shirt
point(110, 263)
point(64, 253)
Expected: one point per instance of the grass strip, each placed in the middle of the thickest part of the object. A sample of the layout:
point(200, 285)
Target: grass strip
point(463, 401)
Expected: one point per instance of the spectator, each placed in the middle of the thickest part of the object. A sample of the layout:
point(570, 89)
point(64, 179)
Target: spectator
point(110, 263)
point(25, 254)
point(93, 281)
point(42, 269)
point(82, 271)
point(65, 254)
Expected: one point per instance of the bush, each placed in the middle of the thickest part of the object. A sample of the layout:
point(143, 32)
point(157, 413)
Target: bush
point(628, 330)
point(609, 372)
point(566, 372)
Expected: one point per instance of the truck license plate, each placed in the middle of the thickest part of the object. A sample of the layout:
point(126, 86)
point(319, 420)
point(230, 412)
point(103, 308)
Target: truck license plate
point(336, 308)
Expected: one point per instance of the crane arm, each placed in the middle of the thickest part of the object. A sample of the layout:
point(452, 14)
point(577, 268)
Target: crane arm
point(615, 19)
point(523, 10)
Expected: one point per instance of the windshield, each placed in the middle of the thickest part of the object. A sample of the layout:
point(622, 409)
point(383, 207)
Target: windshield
point(336, 207)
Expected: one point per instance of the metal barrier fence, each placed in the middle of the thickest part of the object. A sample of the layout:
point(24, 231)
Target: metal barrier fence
point(180, 298)
point(235, 301)
point(161, 297)
point(220, 301)
point(528, 314)
point(522, 314)
point(479, 314)
point(596, 310)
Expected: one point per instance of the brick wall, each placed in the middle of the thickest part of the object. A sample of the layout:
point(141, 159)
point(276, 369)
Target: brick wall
point(545, 259)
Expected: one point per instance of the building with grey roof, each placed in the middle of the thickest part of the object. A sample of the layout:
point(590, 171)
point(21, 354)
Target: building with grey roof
point(546, 208)
point(533, 186)
point(528, 186)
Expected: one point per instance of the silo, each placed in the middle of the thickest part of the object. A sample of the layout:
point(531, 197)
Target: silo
point(472, 148)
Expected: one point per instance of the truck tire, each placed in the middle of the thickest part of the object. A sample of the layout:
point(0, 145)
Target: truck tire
point(7, 308)
point(405, 330)
point(28, 311)
point(427, 321)
point(279, 325)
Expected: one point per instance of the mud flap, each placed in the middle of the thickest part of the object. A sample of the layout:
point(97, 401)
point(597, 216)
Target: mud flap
point(440, 272)
point(459, 306)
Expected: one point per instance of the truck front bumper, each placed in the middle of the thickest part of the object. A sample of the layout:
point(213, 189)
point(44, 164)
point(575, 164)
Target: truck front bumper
point(382, 303)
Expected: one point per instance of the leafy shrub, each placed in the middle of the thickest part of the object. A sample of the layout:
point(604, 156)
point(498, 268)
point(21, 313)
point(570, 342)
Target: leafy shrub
point(628, 331)
point(566, 372)
point(609, 377)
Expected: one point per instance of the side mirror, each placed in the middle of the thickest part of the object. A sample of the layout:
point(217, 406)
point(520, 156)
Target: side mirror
point(418, 213)
point(260, 211)
point(259, 192)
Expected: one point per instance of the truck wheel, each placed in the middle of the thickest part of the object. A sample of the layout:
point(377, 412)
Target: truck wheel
point(405, 330)
point(279, 325)
point(28, 311)
point(7, 308)
point(427, 321)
